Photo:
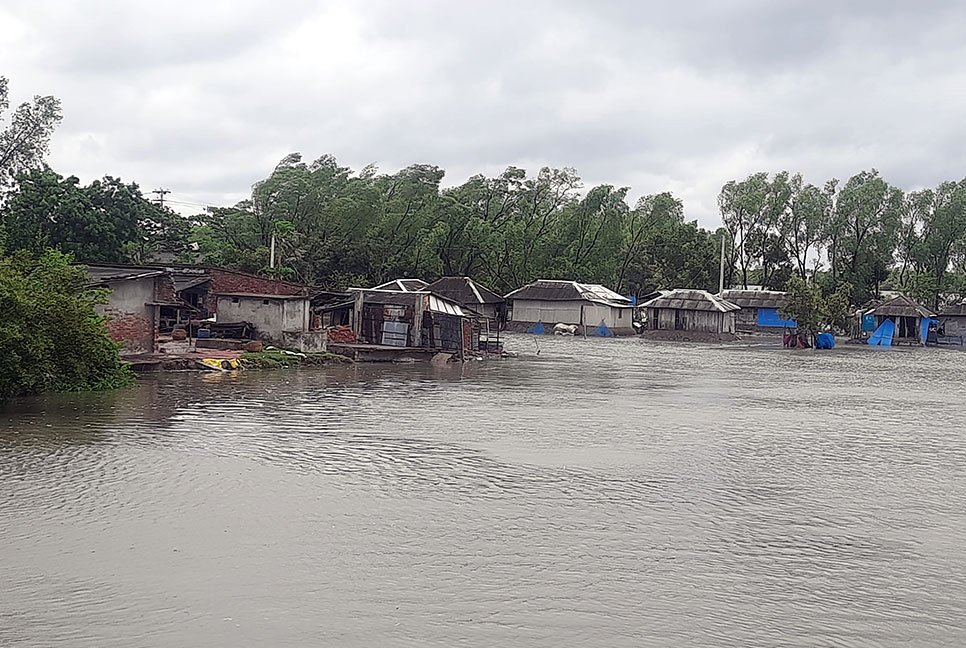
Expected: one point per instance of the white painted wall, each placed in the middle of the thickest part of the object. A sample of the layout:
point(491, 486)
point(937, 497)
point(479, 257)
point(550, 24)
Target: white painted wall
point(270, 316)
point(568, 312)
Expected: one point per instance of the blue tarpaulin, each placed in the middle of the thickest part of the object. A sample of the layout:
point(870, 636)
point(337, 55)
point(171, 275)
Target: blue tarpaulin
point(770, 317)
point(924, 333)
point(537, 328)
point(602, 331)
point(824, 341)
point(883, 334)
point(868, 322)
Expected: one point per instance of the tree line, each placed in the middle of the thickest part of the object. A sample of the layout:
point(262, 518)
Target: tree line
point(335, 227)
point(866, 233)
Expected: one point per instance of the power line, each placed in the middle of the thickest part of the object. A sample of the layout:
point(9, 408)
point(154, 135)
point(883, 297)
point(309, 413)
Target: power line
point(161, 192)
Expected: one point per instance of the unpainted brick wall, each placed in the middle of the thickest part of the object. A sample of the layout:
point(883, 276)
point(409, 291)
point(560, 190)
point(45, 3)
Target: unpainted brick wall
point(135, 331)
point(164, 289)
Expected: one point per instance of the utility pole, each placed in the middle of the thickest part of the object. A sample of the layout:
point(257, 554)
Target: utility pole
point(161, 193)
point(271, 255)
point(721, 269)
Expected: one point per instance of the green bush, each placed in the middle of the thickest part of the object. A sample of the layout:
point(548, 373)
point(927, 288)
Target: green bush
point(51, 338)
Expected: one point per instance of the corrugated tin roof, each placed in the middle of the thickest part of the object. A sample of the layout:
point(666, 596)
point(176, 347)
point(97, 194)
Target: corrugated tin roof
point(901, 306)
point(104, 274)
point(184, 282)
point(403, 285)
point(696, 300)
point(465, 291)
point(754, 298)
point(562, 290)
point(441, 305)
point(438, 303)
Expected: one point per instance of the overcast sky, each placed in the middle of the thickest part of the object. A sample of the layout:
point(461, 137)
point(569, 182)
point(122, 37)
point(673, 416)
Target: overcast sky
point(204, 97)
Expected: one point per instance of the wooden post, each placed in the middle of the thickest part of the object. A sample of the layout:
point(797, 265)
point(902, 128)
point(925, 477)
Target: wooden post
point(357, 314)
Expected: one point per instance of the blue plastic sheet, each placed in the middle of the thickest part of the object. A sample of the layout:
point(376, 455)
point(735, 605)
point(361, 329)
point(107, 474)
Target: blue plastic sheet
point(537, 328)
point(824, 341)
point(602, 331)
point(924, 332)
point(868, 322)
point(883, 335)
point(770, 317)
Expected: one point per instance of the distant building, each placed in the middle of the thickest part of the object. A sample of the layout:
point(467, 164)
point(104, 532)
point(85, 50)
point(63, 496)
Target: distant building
point(181, 292)
point(415, 320)
point(760, 310)
point(552, 301)
point(952, 324)
point(900, 321)
point(472, 295)
point(692, 311)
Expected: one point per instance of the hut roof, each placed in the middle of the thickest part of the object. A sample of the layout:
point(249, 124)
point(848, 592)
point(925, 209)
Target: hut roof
point(754, 298)
point(560, 290)
point(954, 310)
point(402, 285)
point(465, 291)
point(901, 306)
point(696, 300)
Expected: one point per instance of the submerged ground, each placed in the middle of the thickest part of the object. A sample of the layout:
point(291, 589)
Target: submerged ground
point(605, 492)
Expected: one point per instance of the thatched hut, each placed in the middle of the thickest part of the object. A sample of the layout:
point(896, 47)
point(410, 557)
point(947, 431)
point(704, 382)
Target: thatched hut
point(904, 317)
point(691, 311)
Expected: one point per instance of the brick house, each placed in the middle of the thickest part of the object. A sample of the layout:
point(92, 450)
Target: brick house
point(138, 293)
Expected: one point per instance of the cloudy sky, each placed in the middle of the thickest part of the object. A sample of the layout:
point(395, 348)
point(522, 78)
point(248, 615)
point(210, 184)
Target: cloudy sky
point(204, 97)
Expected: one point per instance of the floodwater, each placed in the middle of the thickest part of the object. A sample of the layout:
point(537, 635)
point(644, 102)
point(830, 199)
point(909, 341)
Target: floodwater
point(605, 492)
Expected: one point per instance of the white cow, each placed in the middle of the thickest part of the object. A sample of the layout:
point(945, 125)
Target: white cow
point(565, 329)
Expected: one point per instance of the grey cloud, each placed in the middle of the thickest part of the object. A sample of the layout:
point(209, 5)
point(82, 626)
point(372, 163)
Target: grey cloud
point(204, 98)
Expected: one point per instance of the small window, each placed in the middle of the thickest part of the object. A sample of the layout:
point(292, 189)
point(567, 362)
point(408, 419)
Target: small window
point(620, 314)
point(265, 301)
point(234, 300)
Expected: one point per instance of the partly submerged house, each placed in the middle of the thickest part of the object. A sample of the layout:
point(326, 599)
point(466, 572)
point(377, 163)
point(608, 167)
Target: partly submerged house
point(421, 322)
point(760, 310)
point(472, 295)
point(696, 313)
point(900, 320)
point(551, 301)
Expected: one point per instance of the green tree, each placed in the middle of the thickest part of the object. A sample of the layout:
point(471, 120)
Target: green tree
point(51, 338)
point(866, 225)
point(107, 221)
point(25, 138)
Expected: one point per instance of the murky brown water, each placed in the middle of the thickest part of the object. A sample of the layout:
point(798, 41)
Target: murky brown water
point(609, 492)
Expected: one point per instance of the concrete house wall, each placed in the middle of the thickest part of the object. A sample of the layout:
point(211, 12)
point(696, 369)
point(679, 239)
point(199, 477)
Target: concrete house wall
point(270, 315)
point(131, 320)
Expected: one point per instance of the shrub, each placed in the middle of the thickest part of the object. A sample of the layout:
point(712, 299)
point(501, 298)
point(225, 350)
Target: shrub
point(51, 338)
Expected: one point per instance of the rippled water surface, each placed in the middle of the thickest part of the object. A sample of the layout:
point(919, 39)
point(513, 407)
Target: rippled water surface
point(606, 492)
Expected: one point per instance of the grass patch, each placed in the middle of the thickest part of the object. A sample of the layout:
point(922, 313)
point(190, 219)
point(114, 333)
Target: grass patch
point(276, 359)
